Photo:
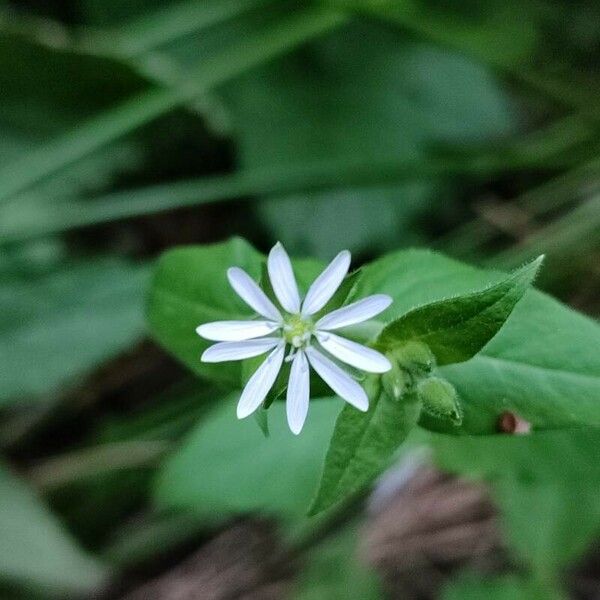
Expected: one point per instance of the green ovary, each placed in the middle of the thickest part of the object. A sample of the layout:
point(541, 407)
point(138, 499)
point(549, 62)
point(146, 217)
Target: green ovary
point(297, 331)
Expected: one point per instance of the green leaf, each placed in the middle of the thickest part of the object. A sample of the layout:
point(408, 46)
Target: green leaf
point(541, 524)
point(138, 29)
point(536, 481)
point(334, 571)
point(227, 466)
point(363, 445)
point(35, 551)
point(506, 587)
point(458, 328)
point(62, 87)
point(189, 288)
point(540, 365)
point(55, 326)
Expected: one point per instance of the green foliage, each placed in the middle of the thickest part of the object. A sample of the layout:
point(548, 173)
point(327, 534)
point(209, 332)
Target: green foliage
point(274, 37)
point(539, 365)
point(363, 445)
point(226, 466)
point(57, 325)
point(35, 551)
point(334, 571)
point(343, 123)
point(189, 288)
point(401, 96)
point(508, 587)
point(537, 481)
point(458, 328)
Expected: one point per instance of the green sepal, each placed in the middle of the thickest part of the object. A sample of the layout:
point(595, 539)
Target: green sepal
point(262, 419)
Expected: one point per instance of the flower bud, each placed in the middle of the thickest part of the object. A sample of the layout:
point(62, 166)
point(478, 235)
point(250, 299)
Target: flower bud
point(415, 357)
point(439, 399)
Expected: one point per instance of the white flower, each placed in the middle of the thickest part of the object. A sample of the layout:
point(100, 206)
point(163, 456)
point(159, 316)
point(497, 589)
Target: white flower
point(310, 341)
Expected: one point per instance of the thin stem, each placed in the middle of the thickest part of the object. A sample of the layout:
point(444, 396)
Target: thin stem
point(285, 34)
point(538, 202)
point(82, 464)
point(70, 214)
point(575, 230)
point(170, 23)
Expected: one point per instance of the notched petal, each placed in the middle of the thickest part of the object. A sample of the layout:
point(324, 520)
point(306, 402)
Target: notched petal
point(249, 291)
point(235, 331)
point(283, 280)
point(260, 383)
point(354, 313)
point(353, 354)
point(338, 380)
point(326, 284)
point(226, 351)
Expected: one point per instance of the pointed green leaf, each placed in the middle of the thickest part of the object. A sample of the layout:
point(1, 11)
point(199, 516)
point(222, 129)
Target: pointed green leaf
point(363, 445)
point(458, 328)
point(540, 365)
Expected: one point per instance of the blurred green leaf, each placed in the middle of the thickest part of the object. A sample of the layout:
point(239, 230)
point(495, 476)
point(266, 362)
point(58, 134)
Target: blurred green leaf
point(540, 365)
point(57, 325)
point(31, 217)
point(567, 456)
point(334, 571)
point(226, 466)
point(35, 551)
point(457, 328)
point(507, 587)
point(550, 524)
point(537, 481)
point(368, 93)
point(148, 27)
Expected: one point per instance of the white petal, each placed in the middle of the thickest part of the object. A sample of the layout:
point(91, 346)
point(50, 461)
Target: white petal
point(282, 279)
point(225, 351)
point(357, 312)
point(235, 331)
point(339, 381)
point(326, 284)
point(260, 383)
point(249, 291)
point(353, 354)
point(298, 393)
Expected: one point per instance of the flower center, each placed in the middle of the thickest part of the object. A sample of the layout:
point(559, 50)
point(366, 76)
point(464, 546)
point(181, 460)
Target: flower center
point(297, 331)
